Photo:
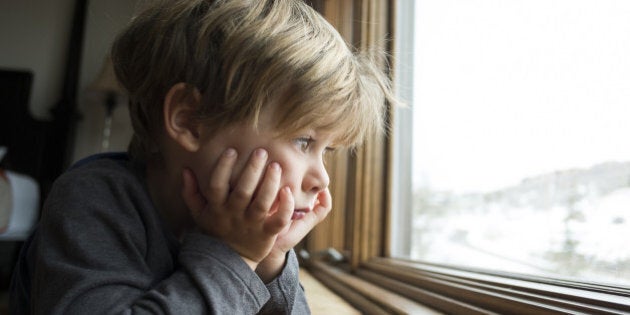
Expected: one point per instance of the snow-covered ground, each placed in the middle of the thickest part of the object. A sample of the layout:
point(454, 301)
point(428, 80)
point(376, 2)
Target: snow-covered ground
point(590, 241)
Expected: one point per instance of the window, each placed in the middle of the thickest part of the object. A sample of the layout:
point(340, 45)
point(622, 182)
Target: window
point(517, 136)
point(362, 250)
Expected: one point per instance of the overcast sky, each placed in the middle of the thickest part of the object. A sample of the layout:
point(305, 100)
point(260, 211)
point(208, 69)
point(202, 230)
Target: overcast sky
point(512, 89)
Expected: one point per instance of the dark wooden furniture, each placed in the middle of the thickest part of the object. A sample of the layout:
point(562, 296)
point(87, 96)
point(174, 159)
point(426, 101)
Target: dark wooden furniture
point(39, 148)
point(25, 137)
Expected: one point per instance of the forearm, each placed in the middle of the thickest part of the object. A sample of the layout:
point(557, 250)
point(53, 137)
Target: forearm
point(209, 278)
point(270, 267)
point(287, 295)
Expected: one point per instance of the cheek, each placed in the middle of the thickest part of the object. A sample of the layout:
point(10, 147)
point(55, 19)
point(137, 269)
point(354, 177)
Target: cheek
point(203, 163)
point(245, 150)
point(277, 152)
point(290, 178)
point(291, 171)
point(238, 168)
point(207, 158)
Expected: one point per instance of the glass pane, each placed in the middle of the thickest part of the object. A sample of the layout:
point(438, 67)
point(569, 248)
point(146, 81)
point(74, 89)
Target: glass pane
point(521, 136)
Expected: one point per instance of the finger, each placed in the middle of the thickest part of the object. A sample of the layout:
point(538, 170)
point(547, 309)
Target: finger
point(219, 185)
point(193, 199)
point(266, 194)
point(321, 209)
point(281, 218)
point(324, 203)
point(242, 194)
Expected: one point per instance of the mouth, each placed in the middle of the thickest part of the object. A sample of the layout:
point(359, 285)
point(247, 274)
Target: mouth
point(300, 213)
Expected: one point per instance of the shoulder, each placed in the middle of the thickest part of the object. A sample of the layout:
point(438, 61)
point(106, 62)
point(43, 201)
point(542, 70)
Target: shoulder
point(97, 202)
point(99, 176)
point(100, 167)
point(106, 184)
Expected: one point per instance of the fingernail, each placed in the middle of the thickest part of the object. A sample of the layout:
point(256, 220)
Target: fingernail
point(287, 189)
point(230, 152)
point(275, 166)
point(261, 153)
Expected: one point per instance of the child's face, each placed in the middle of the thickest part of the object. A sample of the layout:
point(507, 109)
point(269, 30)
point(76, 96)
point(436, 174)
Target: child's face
point(300, 156)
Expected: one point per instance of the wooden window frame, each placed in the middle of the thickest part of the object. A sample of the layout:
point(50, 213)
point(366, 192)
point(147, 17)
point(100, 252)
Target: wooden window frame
point(349, 251)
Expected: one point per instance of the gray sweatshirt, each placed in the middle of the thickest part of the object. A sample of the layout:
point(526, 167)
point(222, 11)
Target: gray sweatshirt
point(102, 248)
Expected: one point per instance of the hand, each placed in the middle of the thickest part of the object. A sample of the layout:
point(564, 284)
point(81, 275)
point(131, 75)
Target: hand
point(247, 218)
point(298, 229)
point(271, 266)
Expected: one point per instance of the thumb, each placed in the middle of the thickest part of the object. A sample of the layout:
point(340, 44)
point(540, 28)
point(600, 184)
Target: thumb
point(324, 204)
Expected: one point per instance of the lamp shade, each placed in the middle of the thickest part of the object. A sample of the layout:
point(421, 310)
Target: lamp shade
point(106, 80)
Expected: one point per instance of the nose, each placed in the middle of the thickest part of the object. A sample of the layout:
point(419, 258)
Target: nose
point(316, 178)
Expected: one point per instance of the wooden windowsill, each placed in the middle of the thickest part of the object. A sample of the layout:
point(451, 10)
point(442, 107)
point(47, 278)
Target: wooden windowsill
point(322, 300)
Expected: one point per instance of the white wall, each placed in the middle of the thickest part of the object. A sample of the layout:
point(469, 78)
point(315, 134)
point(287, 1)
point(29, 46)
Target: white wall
point(34, 35)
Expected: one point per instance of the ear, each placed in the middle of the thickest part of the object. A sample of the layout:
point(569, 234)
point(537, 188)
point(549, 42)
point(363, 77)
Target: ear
point(180, 107)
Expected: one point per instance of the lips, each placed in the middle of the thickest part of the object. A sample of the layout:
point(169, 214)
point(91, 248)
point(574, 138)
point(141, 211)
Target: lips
point(300, 213)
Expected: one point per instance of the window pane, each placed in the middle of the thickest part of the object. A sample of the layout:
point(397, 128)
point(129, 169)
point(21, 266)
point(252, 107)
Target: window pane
point(521, 136)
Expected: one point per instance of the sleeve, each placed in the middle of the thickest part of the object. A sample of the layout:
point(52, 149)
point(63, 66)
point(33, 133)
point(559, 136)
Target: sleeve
point(91, 257)
point(287, 294)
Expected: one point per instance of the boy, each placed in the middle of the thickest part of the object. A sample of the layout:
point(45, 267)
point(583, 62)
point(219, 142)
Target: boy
point(233, 104)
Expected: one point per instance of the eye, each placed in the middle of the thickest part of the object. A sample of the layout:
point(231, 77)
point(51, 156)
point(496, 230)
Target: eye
point(304, 143)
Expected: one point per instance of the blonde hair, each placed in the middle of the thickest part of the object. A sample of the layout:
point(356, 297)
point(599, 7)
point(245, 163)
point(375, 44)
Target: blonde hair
point(244, 55)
